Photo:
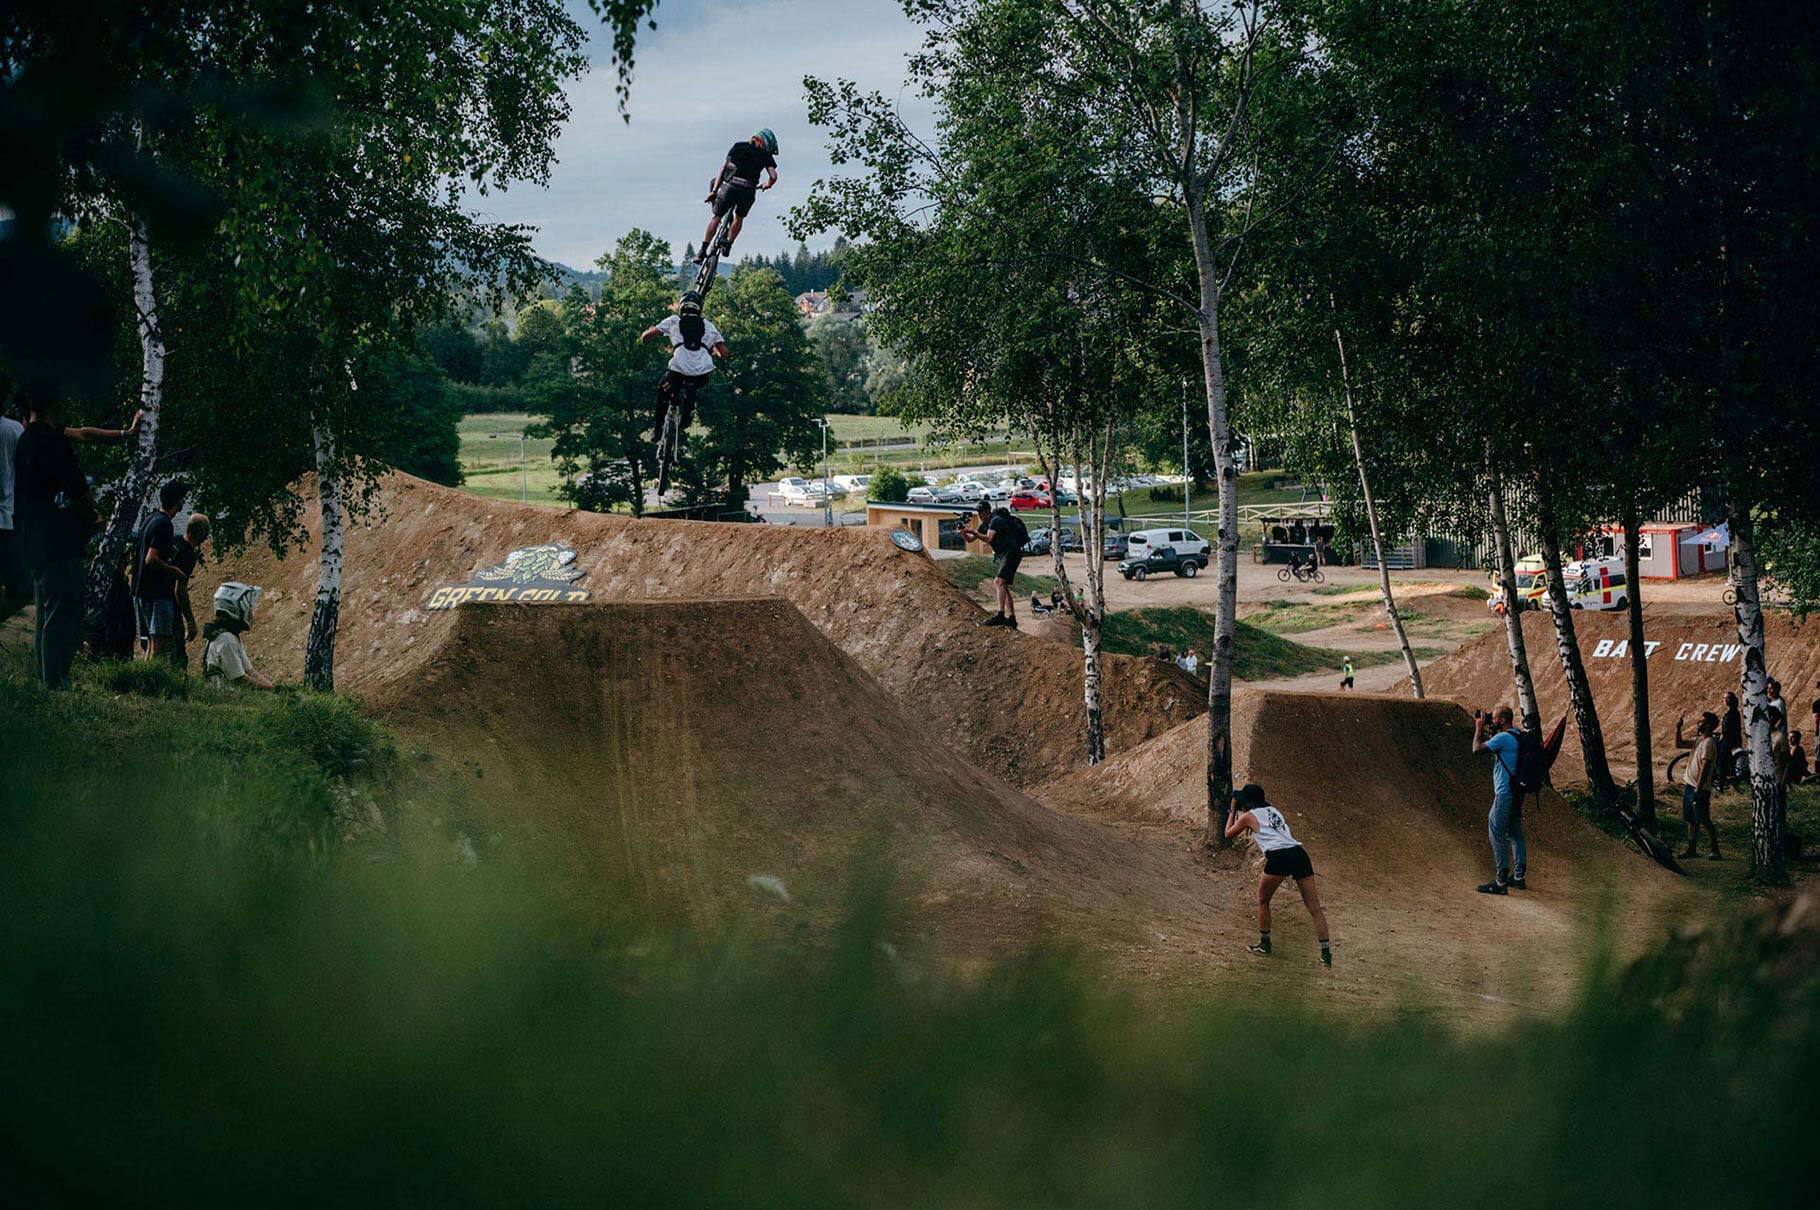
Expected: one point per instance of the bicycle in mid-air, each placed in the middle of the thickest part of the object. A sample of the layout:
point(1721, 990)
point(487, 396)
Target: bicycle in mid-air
point(678, 411)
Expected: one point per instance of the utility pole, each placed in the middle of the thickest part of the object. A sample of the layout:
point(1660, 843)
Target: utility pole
point(524, 482)
point(1187, 477)
point(827, 500)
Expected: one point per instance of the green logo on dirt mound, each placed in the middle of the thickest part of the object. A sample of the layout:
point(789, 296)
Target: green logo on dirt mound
point(534, 575)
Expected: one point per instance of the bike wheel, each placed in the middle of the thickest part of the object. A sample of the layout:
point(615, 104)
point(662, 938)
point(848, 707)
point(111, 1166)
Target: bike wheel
point(1283, 574)
point(1673, 772)
point(1317, 577)
point(1730, 596)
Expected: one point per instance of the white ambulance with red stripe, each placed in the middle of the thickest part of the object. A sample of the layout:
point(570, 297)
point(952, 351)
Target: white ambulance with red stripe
point(1596, 584)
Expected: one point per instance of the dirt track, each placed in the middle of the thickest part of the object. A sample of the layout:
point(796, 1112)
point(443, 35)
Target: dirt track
point(1696, 663)
point(1011, 701)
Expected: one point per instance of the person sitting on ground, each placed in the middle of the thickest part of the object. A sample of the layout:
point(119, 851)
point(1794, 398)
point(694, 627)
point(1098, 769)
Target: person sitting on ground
point(223, 654)
point(1496, 734)
point(1698, 780)
point(1007, 536)
point(156, 579)
point(1284, 857)
point(185, 556)
point(736, 186)
point(694, 344)
point(1798, 768)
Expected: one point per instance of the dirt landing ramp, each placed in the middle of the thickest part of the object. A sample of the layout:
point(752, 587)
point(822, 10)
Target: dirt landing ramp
point(671, 751)
point(1694, 662)
point(1387, 797)
point(1011, 701)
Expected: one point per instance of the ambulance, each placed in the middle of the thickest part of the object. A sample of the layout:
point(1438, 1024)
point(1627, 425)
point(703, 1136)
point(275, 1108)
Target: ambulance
point(1596, 584)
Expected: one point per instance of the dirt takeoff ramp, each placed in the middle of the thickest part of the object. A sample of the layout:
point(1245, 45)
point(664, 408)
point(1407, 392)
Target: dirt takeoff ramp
point(1693, 662)
point(1388, 798)
point(659, 755)
point(1012, 701)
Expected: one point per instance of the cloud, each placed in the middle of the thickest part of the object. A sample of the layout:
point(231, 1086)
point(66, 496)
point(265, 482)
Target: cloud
point(710, 74)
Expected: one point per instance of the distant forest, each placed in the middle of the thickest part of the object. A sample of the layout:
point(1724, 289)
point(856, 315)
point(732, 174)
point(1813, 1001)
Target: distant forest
point(802, 270)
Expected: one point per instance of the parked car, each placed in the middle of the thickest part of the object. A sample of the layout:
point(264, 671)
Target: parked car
point(817, 491)
point(1042, 541)
point(967, 491)
point(1115, 547)
point(1029, 499)
point(1156, 560)
point(854, 483)
point(999, 494)
point(1185, 540)
point(794, 490)
point(1064, 497)
point(922, 495)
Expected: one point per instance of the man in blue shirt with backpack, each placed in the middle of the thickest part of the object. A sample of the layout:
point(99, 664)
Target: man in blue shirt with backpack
point(1495, 734)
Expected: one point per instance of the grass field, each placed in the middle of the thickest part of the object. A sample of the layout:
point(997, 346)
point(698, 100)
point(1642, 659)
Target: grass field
point(490, 453)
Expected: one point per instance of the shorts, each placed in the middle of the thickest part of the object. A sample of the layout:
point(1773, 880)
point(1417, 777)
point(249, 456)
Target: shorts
point(676, 381)
point(1005, 566)
point(1696, 806)
point(1288, 863)
point(1346, 682)
point(157, 619)
point(738, 198)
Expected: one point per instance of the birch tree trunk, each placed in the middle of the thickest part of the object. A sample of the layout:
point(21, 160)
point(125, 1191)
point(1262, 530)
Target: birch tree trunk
point(1567, 645)
point(137, 487)
point(1513, 613)
point(1371, 518)
point(1639, 669)
point(319, 649)
point(1092, 616)
point(1768, 855)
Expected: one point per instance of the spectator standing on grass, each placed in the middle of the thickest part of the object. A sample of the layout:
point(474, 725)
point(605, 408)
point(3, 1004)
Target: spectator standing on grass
point(55, 515)
point(1284, 857)
point(1191, 662)
point(156, 579)
point(1798, 768)
point(186, 554)
point(1731, 741)
point(1495, 734)
point(1698, 780)
point(1776, 703)
point(1346, 672)
point(15, 580)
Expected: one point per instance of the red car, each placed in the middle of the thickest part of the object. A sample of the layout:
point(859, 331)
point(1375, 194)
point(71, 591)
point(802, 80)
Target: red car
point(1025, 501)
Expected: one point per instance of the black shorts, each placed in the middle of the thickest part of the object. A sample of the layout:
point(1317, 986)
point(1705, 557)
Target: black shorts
point(675, 381)
point(1005, 566)
point(1288, 863)
point(738, 198)
point(1696, 805)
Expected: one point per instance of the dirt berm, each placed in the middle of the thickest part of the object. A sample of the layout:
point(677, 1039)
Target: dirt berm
point(656, 756)
point(1010, 701)
point(1386, 795)
point(1692, 663)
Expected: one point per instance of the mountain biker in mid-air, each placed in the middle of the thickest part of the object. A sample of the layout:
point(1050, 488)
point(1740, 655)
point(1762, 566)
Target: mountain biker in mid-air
point(736, 186)
point(694, 343)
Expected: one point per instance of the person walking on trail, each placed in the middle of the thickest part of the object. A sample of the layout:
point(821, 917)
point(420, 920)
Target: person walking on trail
point(185, 556)
point(1346, 672)
point(1495, 734)
point(1007, 536)
point(156, 579)
point(55, 516)
point(223, 653)
point(1284, 857)
point(1697, 781)
point(1731, 742)
point(735, 187)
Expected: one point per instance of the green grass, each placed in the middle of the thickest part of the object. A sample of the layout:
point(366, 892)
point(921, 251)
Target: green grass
point(490, 459)
point(970, 573)
point(1288, 617)
point(210, 995)
point(1258, 654)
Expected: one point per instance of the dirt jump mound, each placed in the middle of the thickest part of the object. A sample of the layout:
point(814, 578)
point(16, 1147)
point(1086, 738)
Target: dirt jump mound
point(1693, 662)
point(1012, 702)
point(668, 753)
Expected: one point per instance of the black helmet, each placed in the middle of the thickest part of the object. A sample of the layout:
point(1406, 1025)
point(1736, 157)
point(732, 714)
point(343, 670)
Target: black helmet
point(691, 303)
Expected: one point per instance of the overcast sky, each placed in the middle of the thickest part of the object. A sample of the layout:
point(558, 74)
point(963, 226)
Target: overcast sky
point(711, 73)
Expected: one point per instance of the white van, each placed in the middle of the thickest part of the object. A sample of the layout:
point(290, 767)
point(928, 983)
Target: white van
point(854, 483)
point(1185, 541)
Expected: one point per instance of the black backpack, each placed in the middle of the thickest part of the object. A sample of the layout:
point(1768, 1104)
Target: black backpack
point(1532, 766)
point(1018, 532)
point(693, 329)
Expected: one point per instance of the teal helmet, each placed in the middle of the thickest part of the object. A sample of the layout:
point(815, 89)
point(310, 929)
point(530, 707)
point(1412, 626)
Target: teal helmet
point(766, 139)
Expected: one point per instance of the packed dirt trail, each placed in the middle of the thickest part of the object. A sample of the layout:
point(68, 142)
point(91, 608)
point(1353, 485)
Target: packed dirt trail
point(1011, 701)
point(1694, 663)
point(1386, 795)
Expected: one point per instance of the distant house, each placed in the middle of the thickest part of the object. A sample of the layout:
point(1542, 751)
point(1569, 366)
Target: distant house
point(818, 302)
point(812, 303)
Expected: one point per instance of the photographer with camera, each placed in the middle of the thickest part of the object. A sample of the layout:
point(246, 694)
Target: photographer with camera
point(1284, 857)
point(1007, 536)
point(1495, 733)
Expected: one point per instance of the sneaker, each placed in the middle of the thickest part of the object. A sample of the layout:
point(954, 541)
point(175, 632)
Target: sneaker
point(1262, 951)
point(1517, 884)
point(1011, 622)
point(997, 619)
point(1714, 856)
point(1326, 957)
point(1494, 888)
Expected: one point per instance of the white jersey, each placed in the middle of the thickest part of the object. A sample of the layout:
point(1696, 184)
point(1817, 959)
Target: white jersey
point(1273, 829)
point(683, 359)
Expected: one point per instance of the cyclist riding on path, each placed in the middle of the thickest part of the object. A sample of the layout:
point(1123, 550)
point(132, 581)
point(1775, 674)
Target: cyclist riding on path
point(694, 342)
point(1284, 857)
point(736, 186)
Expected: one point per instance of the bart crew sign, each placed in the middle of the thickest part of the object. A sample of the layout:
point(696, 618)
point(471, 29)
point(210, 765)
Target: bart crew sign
point(533, 575)
point(1686, 653)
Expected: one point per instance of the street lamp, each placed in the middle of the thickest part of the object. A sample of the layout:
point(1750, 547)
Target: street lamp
point(827, 500)
point(524, 482)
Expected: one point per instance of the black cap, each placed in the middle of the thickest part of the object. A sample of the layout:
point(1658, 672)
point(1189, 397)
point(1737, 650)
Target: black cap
point(1250, 795)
